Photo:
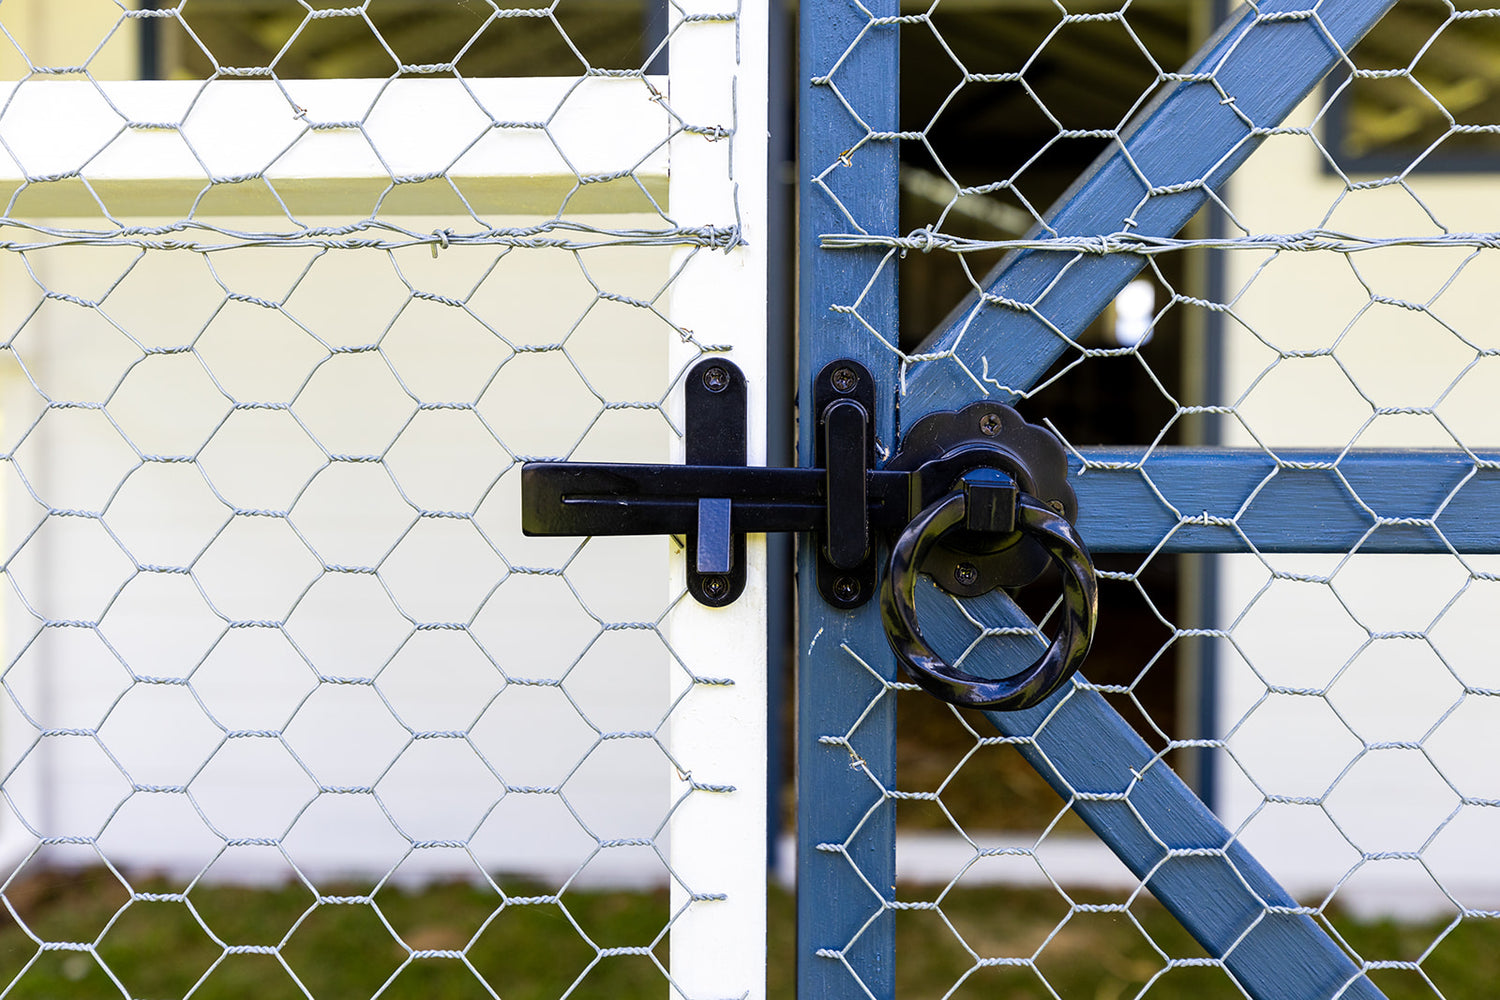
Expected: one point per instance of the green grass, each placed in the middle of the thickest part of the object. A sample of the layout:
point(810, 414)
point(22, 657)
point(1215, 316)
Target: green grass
point(164, 948)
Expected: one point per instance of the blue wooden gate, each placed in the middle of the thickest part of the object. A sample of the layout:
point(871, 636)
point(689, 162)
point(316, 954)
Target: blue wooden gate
point(1199, 126)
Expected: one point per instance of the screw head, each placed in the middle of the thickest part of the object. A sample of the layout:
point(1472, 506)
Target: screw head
point(715, 586)
point(844, 379)
point(716, 379)
point(1057, 505)
point(989, 424)
point(965, 574)
point(846, 588)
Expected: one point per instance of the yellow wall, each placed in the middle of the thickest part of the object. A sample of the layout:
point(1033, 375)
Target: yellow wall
point(1325, 624)
point(69, 33)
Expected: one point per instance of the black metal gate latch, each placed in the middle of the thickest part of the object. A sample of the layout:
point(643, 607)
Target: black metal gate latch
point(976, 498)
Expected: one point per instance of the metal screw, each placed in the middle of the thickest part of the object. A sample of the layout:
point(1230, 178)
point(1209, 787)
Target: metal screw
point(846, 588)
point(965, 574)
point(716, 379)
point(990, 424)
point(715, 587)
point(845, 380)
point(1056, 505)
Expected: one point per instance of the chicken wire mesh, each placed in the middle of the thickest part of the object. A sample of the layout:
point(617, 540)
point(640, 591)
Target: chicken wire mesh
point(1336, 710)
point(280, 329)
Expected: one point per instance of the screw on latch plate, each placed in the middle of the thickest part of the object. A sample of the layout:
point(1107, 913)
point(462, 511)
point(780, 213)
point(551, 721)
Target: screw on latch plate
point(716, 378)
point(846, 588)
point(844, 378)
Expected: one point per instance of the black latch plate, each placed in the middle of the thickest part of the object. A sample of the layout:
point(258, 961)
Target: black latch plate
point(843, 580)
point(716, 404)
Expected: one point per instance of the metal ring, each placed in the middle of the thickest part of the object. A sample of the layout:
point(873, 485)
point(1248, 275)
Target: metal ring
point(1024, 688)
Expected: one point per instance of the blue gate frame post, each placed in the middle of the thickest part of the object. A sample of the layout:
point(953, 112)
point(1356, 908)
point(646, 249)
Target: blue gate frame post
point(848, 102)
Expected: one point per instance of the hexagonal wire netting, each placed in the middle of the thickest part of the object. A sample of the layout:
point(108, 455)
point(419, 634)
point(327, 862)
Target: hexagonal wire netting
point(1338, 710)
point(282, 319)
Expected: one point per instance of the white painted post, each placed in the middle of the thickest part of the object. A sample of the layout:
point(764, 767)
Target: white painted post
point(718, 77)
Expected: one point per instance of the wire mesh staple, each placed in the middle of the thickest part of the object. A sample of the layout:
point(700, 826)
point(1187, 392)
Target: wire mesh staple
point(290, 292)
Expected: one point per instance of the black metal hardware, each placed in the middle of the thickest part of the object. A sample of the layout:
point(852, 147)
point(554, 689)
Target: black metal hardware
point(715, 405)
point(715, 500)
point(977, 506)
point(941, 447)
point(844, 398)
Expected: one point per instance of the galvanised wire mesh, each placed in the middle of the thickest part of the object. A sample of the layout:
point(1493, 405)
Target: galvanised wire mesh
point(1338, 711)
point(279, 329)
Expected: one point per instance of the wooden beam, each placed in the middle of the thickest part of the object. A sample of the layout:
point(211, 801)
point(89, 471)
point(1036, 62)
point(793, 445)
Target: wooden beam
point(1243, 500)
point(149, 147)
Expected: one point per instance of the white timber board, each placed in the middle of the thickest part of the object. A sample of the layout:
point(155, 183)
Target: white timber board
point(517, 145)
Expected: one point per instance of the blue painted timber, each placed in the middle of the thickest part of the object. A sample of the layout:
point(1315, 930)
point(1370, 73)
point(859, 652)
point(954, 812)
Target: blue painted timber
point(1156, 825)
point(1194, 135)
point(1189, 141)
point(846, 856)
point(1379, 501)
point(1263, 63)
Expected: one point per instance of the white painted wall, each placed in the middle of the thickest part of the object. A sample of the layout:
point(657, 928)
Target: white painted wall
point(339, 625)
point(1313, 635)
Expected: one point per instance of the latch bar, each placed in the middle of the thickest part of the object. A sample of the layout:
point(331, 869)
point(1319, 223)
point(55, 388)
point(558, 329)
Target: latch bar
point(587, 498)
point(716, 500)
point(716, 403)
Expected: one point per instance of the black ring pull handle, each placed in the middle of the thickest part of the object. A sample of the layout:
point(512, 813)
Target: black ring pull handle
point(1024, 688)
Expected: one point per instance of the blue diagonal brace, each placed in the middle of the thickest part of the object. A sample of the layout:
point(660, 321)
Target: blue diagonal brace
point(1155, 824)
point(1196, 132)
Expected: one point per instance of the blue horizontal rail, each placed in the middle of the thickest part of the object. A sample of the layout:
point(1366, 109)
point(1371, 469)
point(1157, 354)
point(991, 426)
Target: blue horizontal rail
point(1233, 500)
